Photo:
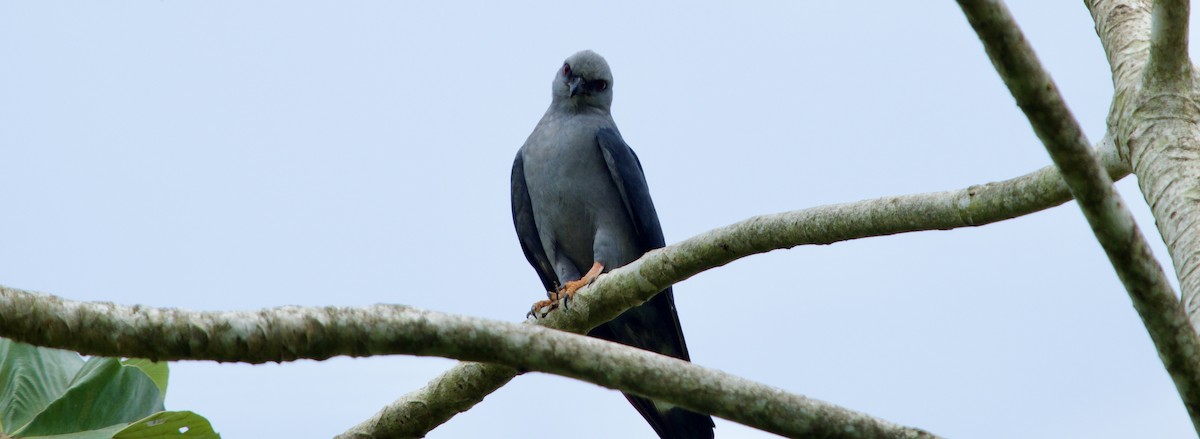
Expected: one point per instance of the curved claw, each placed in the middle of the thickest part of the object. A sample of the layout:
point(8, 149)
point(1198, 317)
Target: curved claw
point(550, 305)
point(563, 295)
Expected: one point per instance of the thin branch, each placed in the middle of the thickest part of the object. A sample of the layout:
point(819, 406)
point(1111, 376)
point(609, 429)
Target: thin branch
point(1169, 62)
point(394, 329)
point(464, 385)
point(416, 413)
point(258, 337)
point(1177, 342)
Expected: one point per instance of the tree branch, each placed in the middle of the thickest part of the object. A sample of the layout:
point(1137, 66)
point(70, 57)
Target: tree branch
point(112, 330)
point(1161, 140)
point(1177, 342)
point(285, 334)
point(464, 385)
point(1154, 124)
point(1169, 60)
point(1123, 27)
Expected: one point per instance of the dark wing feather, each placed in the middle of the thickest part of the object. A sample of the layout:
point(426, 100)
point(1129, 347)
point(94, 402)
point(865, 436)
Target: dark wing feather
point(653, 325)
point(627, 173)
point(522, 212)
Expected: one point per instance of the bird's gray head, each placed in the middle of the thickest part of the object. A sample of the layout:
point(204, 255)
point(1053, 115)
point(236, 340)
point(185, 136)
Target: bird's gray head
point(583, 81)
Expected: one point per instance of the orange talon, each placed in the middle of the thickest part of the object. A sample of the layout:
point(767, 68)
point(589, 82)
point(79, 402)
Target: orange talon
point(566, 292)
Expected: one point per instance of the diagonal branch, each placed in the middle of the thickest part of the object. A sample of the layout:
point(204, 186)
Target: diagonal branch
point(258, 337)
point(394, 329)
point(464, 385)
point(285, 334)
point(1169, 42)
point(1161, 312)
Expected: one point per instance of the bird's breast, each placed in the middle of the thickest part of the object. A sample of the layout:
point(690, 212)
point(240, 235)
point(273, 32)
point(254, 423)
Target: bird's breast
point(572, 191)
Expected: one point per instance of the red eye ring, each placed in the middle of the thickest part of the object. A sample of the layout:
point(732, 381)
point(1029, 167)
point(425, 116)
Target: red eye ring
point(599, 85)
point(566, 69)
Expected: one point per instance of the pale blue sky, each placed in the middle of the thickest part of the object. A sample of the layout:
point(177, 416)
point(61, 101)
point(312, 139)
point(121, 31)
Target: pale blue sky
point(238, 155)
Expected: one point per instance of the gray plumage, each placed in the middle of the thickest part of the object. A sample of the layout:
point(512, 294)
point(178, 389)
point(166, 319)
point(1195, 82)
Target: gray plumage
point(579, 197)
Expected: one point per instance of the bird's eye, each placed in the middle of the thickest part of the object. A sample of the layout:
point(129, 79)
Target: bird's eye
point(566, 70)
point(599, 85)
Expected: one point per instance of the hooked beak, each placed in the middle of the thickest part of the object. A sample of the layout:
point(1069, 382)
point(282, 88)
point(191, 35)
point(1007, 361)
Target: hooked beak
point(575, 85)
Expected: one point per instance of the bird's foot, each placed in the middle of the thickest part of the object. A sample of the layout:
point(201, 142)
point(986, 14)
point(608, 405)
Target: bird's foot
point(542, 308)
point(559, 297)
point(564, 294)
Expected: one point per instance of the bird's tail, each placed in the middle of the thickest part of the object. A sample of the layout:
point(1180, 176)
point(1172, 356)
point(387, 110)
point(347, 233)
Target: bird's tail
point(674, 423)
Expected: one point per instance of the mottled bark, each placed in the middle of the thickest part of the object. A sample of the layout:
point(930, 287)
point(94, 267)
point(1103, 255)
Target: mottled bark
point(1154, 122)
point(1124, 28)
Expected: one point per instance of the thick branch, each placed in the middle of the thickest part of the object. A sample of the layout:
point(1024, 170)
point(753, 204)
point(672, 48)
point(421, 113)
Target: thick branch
point(394, 329)
point(1160, 133)
point(1169, 42)
point(1177, 342)
point(461, 387)
point(1155, 121)
point(1124, 28)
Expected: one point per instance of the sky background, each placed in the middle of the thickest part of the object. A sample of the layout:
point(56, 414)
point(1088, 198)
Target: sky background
point(239, 155)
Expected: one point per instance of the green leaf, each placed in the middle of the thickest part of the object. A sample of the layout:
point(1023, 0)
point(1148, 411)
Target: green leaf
point(30, 379)
point(102, 393)
point(157, 371)
point(170, 424)
point(103, 433)
point(185, 425)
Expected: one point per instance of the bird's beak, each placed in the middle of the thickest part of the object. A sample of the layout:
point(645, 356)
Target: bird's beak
point(575, 85)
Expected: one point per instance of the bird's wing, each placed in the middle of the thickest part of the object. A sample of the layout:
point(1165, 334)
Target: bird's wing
point(653, 325)
point(626, 171)
point(522, 212)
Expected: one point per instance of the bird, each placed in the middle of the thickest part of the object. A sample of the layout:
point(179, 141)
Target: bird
point(581, 207)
